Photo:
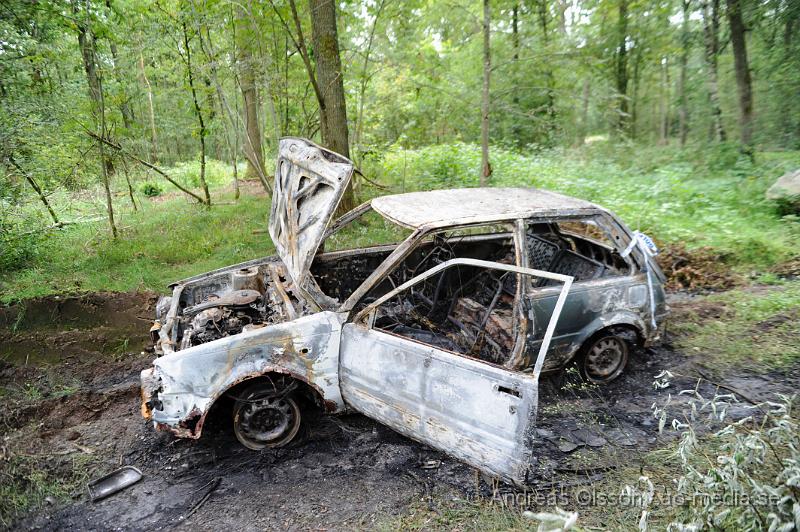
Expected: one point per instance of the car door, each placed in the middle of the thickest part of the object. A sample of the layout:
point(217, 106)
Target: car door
point(475, 411)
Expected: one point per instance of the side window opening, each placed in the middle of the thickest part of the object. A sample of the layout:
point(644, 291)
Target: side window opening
point(579, 248)
point(494, 243)
point(466, 309)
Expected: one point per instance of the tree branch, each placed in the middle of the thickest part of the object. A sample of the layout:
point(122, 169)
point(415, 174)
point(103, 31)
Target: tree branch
point(145, 163)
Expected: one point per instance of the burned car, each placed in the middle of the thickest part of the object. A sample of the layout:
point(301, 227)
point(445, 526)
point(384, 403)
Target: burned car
point(442, 336)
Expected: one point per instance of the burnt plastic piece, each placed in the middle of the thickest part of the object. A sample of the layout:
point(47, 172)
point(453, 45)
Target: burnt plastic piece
point(113, 482)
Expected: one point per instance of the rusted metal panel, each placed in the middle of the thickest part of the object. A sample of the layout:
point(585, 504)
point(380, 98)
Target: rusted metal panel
point(442, 208)
point(309, 183)
point(187, 382)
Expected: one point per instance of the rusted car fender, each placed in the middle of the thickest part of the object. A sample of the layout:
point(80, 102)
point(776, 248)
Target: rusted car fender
point(619, 318)
point(179, 390)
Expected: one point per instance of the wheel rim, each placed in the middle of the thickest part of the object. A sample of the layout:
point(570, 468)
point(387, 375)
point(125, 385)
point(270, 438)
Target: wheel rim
point(606, 359)
point(266, 422)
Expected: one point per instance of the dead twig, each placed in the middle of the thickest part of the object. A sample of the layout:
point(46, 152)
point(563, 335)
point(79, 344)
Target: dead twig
point(153, 167)
point(370, 181)
point(213, 485)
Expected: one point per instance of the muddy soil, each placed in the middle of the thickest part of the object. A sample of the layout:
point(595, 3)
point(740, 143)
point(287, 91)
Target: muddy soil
point(348, 473)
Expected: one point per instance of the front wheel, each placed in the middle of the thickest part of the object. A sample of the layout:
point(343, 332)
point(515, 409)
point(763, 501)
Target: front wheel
point(264, 417)
point(604, 358)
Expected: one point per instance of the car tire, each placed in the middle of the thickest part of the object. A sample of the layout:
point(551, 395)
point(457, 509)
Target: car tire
point(604, 358)
point(264, 418)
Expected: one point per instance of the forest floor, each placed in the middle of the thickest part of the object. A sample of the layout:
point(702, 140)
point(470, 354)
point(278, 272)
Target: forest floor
point(69, 379)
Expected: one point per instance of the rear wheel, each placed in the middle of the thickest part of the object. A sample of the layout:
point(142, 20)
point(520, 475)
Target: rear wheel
point(604, 358)
point(264, 417)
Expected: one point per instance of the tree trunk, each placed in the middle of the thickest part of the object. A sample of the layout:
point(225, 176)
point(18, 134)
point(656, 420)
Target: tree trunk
point(253, 140)
point(124, 108)
point(104, 167)
point(128, 182)
point(515, 42)
point(151, 112)
point(683, 110)
point(550, 105)
point(365, 81)
point(198, 113)
point(637, 82)
point(621, 68)
point(230, 124)
point(333, 121)
point(711, 42)
point(743, 82)
point(583, 128)
point(486, 166)
point(663, 129)
point(86, 43)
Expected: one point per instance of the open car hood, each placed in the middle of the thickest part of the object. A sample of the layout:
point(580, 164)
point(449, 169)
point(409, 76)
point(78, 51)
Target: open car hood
point(309, 183)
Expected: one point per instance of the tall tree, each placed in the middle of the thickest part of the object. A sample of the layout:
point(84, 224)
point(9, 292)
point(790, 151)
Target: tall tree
point(151, 114)
point(515, 44)
point(683, 109)
point(328, 63)
point(86, 43)
point(198, 111)
point(550, 105)
point(365, 77)
point(231, 127)
point(583, 125)
point(325, 78)
point(333, 122)
point(711, 42)
point(742, 67)
point(247, 76)
point(486, 166)
point(621, 67)
point(663, 107)
point(87, 46)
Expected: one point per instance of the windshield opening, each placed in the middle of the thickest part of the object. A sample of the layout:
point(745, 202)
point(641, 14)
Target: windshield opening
point(353, 250)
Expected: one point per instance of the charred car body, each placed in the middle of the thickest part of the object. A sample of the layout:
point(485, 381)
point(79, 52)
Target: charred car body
point(442, 336)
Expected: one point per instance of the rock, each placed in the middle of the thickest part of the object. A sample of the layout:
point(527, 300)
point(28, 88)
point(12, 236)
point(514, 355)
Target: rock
point(567, 446)
point(786, 192)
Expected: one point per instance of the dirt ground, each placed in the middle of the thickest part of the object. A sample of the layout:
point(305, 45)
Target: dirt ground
point(69, 370)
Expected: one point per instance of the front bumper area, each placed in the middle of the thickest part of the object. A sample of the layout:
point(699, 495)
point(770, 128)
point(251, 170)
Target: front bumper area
point(149, 392)
point(152, 409)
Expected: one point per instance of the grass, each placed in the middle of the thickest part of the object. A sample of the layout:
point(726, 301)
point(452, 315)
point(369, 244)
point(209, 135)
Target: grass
point(701, 197)
point(27, 484)
point(745, 326)
point(163, 242)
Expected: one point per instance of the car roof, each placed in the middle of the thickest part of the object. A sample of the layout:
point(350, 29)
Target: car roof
point(442, 208)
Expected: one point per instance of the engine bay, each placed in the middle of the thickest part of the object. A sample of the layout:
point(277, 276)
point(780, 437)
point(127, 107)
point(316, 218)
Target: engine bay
point(224, 304)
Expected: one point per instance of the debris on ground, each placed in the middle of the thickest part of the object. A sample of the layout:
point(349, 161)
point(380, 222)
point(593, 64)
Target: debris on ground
point(787, 270)
point(696, 269)
point(113, 482)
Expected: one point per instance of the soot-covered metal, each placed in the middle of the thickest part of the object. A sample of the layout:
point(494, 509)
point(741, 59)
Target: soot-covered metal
point(442, 336)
